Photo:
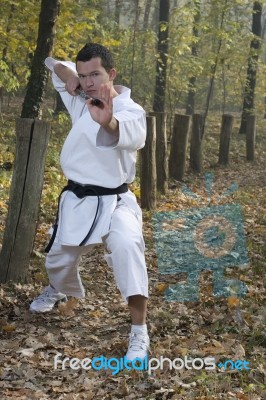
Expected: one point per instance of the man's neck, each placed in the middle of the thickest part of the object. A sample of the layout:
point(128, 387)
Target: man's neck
point(114, 93)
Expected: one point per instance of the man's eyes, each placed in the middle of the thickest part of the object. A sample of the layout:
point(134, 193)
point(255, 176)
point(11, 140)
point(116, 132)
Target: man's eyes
point(93, 74)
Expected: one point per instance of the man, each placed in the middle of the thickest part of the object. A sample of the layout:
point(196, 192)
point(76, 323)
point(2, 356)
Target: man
point(98, 159)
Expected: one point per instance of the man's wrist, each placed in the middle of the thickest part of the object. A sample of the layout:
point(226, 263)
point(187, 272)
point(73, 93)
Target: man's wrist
point(112, 127)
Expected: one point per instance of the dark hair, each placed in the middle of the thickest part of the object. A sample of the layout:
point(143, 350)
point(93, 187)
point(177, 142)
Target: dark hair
point(93, 50)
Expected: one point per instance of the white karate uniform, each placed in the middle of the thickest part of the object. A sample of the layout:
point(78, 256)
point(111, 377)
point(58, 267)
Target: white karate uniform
point(90, 155)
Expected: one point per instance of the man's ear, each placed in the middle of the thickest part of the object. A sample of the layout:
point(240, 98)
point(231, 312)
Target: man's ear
point(112, 74)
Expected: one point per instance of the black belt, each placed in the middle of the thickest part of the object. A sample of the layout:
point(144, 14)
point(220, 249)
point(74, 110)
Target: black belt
point(82, 191)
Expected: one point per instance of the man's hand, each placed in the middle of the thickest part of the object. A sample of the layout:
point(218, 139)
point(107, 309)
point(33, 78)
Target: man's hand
point(69, 77)
point(103, 114)
point(72, 84)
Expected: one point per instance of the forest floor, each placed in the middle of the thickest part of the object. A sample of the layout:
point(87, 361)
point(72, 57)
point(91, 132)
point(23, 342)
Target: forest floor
point(221, 327)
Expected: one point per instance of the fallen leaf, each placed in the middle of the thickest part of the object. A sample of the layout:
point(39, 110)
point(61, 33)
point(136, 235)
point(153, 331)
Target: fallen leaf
point(160, 287)
point(68, 307)
point(233, 302)
point(8, 328)
point(239, 351)
point(26, 352)
point(123, 388)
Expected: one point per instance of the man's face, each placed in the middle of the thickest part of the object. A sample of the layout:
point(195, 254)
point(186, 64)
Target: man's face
point(92, 74)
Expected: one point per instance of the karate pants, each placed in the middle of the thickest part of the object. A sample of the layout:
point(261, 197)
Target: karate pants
point(125, 255)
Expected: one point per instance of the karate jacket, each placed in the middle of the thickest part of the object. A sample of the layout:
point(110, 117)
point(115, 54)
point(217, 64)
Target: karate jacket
point(90, 155)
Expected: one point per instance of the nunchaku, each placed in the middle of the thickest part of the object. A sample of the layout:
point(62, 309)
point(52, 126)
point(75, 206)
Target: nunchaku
point(95, 102)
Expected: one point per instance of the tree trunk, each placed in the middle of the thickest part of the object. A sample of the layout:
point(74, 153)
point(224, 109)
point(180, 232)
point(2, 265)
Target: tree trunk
point(250, 138)
point(255, 45)
point(8, 27)
point(213, 69)
point(148, 167)
point(175, 3)
point(145, 27)
point(59, 105)
point(38, 78)
point(25, 193)
point(135, 28)
point(117, 11)
point(225, 136)
point(161, 152)
point(147, 14)
point(161, 65)
point(196, 143)
point(5, 49)
point(178, 152)
point(194, 51)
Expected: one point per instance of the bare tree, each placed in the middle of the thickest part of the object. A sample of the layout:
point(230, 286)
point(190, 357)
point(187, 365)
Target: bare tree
point(135, 28)
point(38, 78)
point(194, 51)
point(255, 45)
point(147, 11)
point(118, 4)
point(5, 49)
point(162, 49)
point(213, 69)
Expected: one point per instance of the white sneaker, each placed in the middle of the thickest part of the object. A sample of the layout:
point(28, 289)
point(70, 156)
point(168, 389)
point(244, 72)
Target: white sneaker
point(47, 300)
point(138, 345)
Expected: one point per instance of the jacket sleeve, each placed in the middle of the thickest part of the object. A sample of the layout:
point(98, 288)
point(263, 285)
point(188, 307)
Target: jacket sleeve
point(132, 130)
point(69, 101)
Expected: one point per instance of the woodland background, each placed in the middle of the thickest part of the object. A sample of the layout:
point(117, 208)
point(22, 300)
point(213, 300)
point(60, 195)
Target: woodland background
point(177, 56)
